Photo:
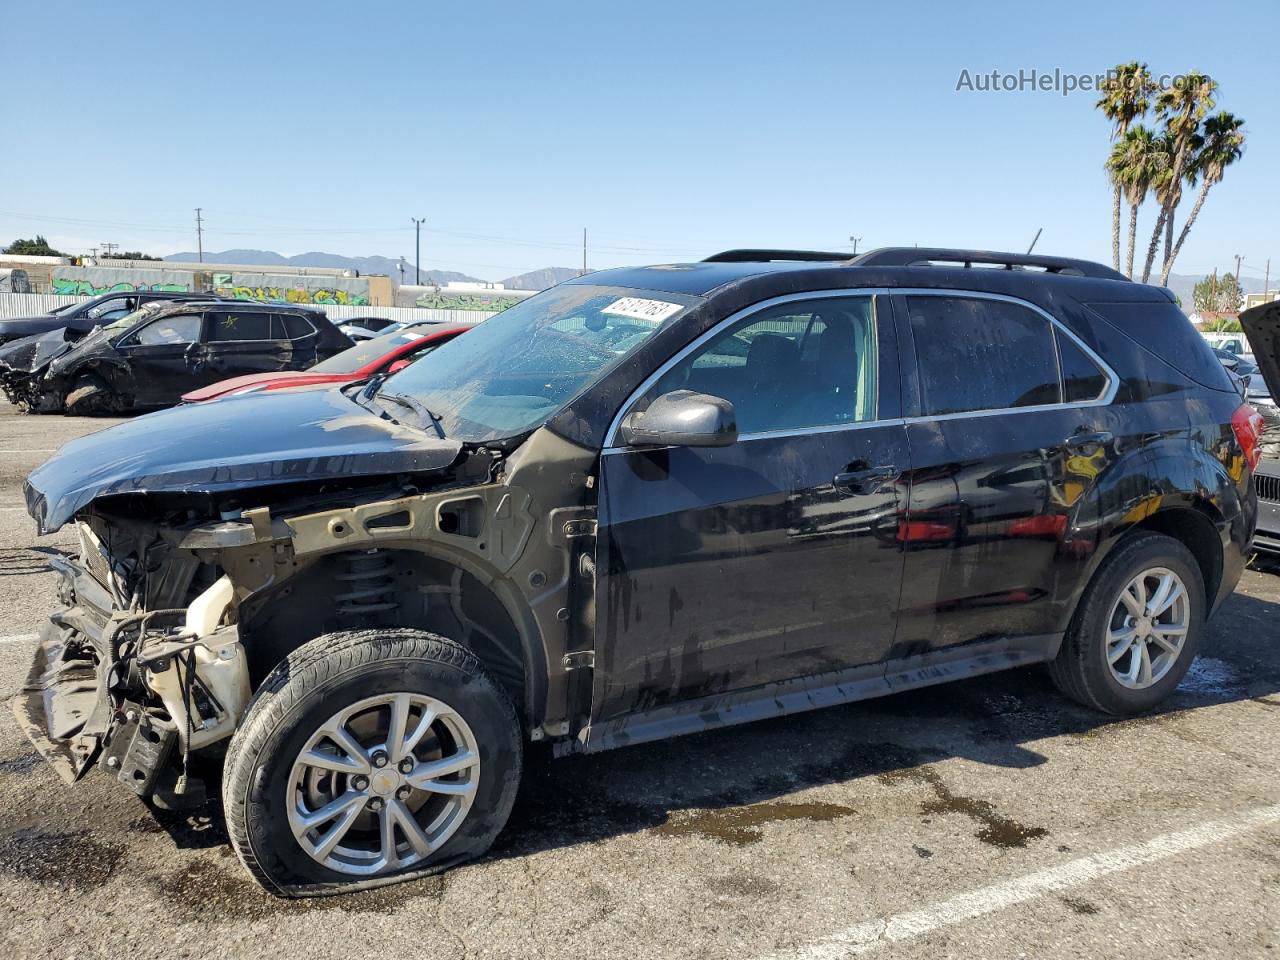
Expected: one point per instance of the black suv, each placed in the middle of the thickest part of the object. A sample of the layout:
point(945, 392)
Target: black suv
point(642, 503)
point(152, 356)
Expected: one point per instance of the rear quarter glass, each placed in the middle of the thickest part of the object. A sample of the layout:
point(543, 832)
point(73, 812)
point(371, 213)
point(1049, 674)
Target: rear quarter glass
point(1161, 328)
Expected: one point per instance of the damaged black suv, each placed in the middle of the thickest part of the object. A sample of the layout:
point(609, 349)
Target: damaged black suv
point(150, 357)
point(643, 503)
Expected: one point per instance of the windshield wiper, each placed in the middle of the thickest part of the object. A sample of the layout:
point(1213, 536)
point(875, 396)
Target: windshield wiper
point(417, 407)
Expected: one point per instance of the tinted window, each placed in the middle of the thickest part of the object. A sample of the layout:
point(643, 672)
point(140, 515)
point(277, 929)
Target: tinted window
point(296, 327)
point(239, 326)
point(183, 328)
point(1163, 329)
point(1082, 380)
point(799, 365)
point(978, 354)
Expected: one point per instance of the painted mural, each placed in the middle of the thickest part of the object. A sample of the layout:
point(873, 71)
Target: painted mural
point(325, 295)
point(276, 288)
point(465, 301)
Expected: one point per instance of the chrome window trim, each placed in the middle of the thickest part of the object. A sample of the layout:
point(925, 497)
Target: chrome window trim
point(611, 435)
point(1104, 399)
point(1107, 396)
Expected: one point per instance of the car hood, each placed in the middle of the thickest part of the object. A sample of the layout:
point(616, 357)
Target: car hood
point(239, 443)
point(223, 387)
point(1262, 326)
point(30, 354)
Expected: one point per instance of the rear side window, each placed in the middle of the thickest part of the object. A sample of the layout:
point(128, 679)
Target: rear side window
point(238, 326)
point(1082, 380)
point(296, 327)
point(1164, 330)
point(978, 354)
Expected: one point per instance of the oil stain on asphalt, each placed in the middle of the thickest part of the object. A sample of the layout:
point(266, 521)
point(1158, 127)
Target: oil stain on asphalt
point(743, 825)
point(997, 830)
point(74, 861)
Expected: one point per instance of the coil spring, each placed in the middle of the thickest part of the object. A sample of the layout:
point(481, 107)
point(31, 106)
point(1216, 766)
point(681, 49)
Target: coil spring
point(370, 585)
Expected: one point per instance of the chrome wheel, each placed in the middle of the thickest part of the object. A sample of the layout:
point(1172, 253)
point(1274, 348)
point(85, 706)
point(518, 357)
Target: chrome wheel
point(383, 783)
point(1148, 628)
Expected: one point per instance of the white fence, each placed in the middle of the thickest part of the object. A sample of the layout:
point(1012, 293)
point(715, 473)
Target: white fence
point(33, 304)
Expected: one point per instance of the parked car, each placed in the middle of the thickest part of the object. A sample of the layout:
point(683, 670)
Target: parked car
point(642, 503)
point(84, 315)
point(358, 333)
point(1240, 365)
point(1262, 324)
point(389, 353)
point(1231, 342)
point(148, 358)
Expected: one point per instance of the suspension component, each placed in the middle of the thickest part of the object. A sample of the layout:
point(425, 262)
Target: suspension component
point(371, 586)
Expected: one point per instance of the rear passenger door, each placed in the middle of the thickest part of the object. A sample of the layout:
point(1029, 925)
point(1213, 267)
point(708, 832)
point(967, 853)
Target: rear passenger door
point(239, 341)
point(1007, 428)
point(773, 558)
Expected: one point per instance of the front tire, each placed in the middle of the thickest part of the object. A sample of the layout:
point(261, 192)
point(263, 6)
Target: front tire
point(90, 396)
point(1137, 628)
point(369, 757)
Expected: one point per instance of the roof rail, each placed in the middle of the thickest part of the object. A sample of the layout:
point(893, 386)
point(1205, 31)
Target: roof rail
point(768, 256)
point(939, 256)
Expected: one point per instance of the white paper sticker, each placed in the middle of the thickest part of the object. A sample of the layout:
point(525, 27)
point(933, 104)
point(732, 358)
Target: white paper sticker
point(641, 309)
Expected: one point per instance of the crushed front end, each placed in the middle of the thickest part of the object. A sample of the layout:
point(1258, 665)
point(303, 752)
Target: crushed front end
point(138, 669)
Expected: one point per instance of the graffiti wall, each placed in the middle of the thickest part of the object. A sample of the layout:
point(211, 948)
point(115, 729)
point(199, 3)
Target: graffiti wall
point(444, 300)
point(276, 288)
point(91, 281)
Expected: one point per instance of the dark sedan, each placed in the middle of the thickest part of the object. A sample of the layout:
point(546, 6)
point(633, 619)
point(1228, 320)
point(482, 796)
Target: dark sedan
point(85, 315)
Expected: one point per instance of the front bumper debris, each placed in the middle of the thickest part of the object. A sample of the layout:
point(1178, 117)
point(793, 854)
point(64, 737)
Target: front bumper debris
point(53, 707)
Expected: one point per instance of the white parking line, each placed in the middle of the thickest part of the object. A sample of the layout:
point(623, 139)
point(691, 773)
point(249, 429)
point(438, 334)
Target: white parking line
point(19, 637)
point(33, 450)
point(872, 934)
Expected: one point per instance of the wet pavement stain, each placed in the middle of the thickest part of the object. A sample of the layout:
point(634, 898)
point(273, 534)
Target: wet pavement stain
point(74, 861)
point(742, 885)
point(206, 891)
point(22, 764)
point(1083, 907)
point(921, 852)
point(997, 830)
point(743, 825)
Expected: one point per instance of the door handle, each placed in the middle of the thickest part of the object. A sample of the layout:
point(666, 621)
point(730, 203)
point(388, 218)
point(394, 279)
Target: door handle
point(1099, 439)
point(865, 481)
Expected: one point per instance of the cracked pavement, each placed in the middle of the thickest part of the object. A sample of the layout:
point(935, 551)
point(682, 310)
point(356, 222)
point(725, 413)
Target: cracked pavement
point(767, 839)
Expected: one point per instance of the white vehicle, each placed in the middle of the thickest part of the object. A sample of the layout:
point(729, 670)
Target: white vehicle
point(1237, 343)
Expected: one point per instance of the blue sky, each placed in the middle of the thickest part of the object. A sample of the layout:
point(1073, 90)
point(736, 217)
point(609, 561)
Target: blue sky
point(668, 129)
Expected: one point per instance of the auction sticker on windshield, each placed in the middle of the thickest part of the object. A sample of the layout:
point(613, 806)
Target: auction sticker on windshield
point(641, 309)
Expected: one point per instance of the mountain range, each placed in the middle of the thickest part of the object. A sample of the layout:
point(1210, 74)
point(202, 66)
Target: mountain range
point(534, 280)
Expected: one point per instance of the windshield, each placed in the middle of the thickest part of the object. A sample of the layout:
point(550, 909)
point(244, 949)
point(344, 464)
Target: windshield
point(516, 370)
point(367, 351)
point(130, 320)
point(65, 308)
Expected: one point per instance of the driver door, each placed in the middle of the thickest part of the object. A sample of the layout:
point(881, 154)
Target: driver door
point(774, 558)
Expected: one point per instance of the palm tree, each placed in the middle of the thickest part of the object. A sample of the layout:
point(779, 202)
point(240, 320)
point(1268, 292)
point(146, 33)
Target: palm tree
point(1135, 163)
point(1126, 95)
point(1181, 107)
point(1222, 146)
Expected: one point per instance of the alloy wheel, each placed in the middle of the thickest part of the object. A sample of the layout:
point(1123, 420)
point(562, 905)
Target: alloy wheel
point(383, 783)
point(1148, 628)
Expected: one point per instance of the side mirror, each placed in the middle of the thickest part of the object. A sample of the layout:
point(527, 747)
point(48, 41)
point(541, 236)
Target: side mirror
point(682, 418)
point(398, 366)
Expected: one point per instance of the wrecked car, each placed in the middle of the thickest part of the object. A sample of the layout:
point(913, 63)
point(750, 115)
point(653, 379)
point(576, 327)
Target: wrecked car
point(150, 357)
point(82, 316)
point(643, 503)
point(1262, 326)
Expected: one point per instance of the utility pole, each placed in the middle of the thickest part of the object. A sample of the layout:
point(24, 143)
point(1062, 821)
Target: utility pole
point(93, 252)
point(109, 248)
point(417, 249)
point(1213, 291)
point(584, 251)
point(1238, 259)
point(1266, 281)
point(855, 241)
point(199, 236)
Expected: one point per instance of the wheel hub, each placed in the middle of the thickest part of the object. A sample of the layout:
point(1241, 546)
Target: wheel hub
point(385, 782)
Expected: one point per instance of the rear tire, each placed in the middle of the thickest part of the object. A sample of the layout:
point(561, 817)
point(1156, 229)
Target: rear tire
point(1101, 663)
point(90, 396)
point(284, 770)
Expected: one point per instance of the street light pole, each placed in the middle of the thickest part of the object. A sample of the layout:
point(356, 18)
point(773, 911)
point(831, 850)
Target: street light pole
point(854, 241)
point(417, 249)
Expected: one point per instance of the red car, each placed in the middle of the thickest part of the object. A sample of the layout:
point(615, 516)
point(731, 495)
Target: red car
point(386, 354)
